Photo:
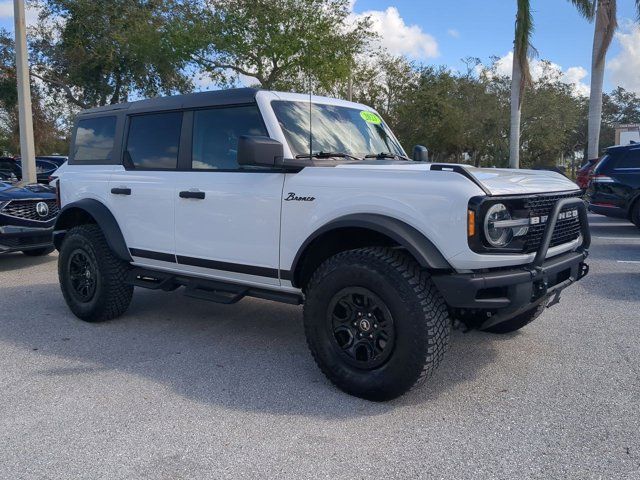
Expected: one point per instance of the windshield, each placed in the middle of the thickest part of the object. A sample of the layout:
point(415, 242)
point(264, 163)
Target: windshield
point(334, 129)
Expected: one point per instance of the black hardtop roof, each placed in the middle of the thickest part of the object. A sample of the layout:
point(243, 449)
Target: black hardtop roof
point(231, 96)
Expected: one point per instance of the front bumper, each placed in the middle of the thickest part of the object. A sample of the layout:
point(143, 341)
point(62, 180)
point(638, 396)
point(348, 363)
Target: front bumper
point(498, 295)
point(16, 239)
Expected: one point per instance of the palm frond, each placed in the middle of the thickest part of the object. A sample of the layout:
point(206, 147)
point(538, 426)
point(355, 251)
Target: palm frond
point(607, 16)
point(522, 44)
point(587, 8)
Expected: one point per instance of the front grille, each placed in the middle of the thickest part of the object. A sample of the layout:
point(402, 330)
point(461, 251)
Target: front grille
point(28, 210)
point(566, 230)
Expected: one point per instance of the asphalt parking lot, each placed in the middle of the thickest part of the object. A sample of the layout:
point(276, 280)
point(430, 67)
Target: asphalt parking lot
point(179, 388)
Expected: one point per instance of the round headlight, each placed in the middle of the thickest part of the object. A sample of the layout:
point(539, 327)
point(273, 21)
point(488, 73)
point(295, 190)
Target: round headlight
point(497, 236)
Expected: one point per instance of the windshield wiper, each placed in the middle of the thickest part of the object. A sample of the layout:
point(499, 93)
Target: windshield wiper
point(328, 155)
point(387, 155)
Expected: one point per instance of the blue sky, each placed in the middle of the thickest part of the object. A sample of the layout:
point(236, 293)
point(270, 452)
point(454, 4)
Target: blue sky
point(437, 32)
point(484, 28)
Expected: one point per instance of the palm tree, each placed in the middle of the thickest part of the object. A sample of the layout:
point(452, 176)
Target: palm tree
point(606, 24)
point(521, 75)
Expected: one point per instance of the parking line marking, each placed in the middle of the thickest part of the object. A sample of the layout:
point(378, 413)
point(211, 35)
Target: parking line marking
point(628, 261)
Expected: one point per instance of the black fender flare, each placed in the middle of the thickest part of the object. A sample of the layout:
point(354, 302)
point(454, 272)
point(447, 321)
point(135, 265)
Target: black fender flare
point(414, 241)
point(102, 217)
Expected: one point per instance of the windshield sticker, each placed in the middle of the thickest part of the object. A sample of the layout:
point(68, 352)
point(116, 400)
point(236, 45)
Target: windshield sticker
point(371, 117)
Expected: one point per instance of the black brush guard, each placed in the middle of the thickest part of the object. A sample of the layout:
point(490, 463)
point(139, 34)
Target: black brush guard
point(501, 294)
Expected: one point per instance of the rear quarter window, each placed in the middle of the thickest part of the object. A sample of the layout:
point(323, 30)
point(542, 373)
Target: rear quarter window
point(628, 160)
point(94, 140)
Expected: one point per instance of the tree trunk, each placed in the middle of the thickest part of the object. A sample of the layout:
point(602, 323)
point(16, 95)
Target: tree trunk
point(597, 79)
point(516, 112)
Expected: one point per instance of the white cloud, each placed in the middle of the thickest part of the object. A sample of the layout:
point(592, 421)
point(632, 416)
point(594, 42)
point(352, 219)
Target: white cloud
point(6, 12)
point(625, 65)
point(573, 76)
point(398, 37)
point(452, 32)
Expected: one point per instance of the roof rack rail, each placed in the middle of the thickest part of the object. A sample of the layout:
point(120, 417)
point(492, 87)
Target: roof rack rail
point(447, 167)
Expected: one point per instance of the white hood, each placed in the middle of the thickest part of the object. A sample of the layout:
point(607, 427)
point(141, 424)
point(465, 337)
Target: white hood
point(503, 181)
point(498, 181)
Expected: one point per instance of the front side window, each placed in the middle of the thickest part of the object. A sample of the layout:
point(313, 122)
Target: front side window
point(153, 141)
point(332, 128)
point(216, 132)
point(94, 139)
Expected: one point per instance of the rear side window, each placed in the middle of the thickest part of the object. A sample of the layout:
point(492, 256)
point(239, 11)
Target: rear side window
point(629, 159)
point(153, 141)
point(94, 139)
point(216, 132)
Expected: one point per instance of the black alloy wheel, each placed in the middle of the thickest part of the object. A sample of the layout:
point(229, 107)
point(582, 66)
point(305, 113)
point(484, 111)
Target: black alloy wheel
point(362, 327)
point(82, 271)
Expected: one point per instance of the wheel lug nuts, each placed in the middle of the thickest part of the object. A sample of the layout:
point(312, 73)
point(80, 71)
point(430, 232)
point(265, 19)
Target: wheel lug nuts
point(375, 325)
point(369, 315)
point(355, 324)
point(370, 336)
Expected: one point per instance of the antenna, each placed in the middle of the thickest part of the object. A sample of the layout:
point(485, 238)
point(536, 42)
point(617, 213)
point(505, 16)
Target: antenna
point(309, 87)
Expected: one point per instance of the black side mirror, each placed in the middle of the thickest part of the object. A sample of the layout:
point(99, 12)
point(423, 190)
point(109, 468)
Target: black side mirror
point(420, 153)
point(259, 151)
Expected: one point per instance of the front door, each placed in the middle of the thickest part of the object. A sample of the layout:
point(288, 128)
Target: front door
point(227, 219)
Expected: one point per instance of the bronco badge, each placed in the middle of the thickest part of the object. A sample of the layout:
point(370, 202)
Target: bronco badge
point(291, 196)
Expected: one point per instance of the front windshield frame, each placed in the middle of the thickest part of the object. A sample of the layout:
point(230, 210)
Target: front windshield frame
point(298, 142)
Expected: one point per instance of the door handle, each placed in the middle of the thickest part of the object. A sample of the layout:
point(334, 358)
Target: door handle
point(121, 191)
point(192, 194)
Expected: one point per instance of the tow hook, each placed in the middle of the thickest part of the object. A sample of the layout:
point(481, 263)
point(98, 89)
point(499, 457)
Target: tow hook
point(584, 269)
point(540, 288)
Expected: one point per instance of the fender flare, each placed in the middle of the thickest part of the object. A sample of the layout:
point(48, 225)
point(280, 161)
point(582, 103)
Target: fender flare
point(102, 217)
point(414, 241)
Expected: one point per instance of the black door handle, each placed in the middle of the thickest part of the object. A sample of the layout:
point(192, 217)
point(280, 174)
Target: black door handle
point(121, 191)
point(192, 194)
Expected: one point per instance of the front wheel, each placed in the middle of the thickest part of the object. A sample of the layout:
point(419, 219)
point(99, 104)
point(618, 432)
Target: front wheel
point(92, 278)
point(375, 323)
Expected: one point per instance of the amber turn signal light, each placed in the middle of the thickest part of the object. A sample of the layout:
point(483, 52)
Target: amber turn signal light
point(471, 223)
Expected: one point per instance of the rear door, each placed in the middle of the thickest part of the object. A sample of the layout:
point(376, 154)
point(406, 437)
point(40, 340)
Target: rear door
point(142, 188)
point(227, 218)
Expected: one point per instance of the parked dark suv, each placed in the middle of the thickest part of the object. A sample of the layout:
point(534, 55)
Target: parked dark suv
point(27, 216)
point(614, 189)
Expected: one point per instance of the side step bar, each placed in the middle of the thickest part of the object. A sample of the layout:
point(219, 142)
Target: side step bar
point(212, 290)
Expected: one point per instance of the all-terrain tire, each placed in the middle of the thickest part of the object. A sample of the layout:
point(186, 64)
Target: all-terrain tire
point(108, 296)
point(517, 322)
point(404, 290)
point(38, 252)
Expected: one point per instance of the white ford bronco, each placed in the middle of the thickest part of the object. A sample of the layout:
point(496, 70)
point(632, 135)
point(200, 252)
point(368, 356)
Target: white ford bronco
point(311, 200)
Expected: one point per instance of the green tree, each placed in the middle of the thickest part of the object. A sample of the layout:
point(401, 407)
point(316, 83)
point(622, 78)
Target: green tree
point(283, 44)
point(98, 53)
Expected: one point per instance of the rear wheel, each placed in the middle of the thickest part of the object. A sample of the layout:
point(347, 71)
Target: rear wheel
point(375, 323)
point(92, 278)
point(38, 252)
point(517, 322)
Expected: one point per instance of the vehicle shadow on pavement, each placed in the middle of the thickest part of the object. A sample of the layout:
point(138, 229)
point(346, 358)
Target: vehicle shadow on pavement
point(251, 356)
point(17, 261)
